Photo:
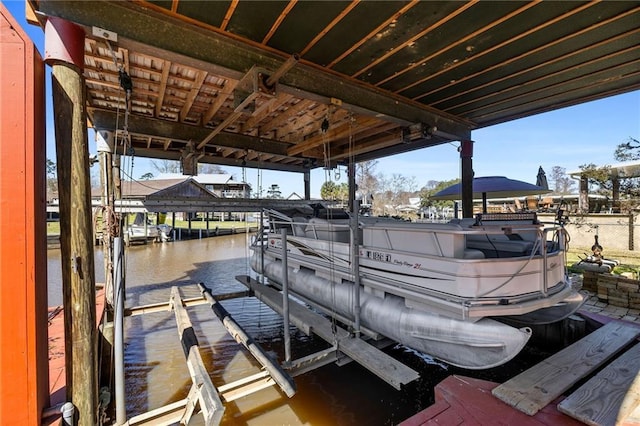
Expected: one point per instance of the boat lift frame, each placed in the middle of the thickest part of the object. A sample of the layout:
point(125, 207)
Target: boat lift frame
point(203, 393)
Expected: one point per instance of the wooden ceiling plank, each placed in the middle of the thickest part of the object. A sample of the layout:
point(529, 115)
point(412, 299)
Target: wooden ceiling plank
point(264, 110)
point(278, 21)
point(283, 118)
point(522, 55)
point(304, 124)
point(212, 52)
point(331, 24)
point(420, 62)
point(223, 95)
point(195, 89)
point(391, 52)
point(166, 67)
point(373, 33)
point(235, 115)
point(331, 134)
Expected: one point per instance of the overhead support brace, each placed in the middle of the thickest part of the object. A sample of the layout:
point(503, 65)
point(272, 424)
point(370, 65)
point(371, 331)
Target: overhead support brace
point(256, 82)
point(231, 58)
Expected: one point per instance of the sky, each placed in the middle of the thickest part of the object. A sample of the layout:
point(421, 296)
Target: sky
point(568, 137)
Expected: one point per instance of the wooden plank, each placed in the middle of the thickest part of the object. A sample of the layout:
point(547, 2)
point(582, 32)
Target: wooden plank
point(610, 396)
point(379, 363)
point(210, 402)
point(536, 387)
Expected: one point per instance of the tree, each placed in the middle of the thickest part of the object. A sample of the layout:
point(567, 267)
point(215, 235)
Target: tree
point(274, 191)
point(52, 180)
point(628, 151)
point(366, 180)
point(433, 187)
point(328, 190)
point(598, 176)
point(562, 184)
point(166, 166)
point(212, 169)
point(332, 191)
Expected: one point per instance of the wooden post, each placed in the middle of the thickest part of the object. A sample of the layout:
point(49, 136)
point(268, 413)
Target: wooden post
point(583, 200)
point(351, 178)
point(24, 378)
point(466, 154)
point(105, 144)
point(307, 185)
point(65, 48)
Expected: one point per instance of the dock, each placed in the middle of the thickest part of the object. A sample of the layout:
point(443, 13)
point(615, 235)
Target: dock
point(592, 381)
point(57, 371)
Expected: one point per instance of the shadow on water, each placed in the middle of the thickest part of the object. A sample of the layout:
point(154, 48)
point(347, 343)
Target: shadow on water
point(157, 374)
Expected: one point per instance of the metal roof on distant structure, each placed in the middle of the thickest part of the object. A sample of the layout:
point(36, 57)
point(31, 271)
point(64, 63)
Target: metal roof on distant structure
point(373, 78)
point(625, 169)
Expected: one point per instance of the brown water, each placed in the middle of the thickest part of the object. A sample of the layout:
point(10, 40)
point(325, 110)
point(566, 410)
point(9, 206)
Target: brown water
point(156, 371)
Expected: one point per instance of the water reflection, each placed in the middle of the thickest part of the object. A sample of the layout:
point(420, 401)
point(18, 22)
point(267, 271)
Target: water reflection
point(157, 374)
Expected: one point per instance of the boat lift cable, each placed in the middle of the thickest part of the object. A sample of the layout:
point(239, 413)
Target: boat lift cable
point(327, 178)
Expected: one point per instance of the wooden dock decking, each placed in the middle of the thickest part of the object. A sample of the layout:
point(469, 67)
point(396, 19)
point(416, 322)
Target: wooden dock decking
point(536, 396)
point(536, 387)
point(57, 371)
point(610, 396)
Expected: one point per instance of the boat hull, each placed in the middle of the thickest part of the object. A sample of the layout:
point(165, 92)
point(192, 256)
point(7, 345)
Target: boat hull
point(482, 344)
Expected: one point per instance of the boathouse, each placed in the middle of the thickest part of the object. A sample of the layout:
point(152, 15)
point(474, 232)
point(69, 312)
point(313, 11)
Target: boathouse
point(277, 85)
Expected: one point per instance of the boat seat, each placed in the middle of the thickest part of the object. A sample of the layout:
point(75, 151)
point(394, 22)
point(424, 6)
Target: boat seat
point(499, 245)
point(335, 230)
point(299, 225)
point(473, 254)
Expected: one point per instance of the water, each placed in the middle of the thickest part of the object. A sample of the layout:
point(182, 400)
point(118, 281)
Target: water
point(157, 374)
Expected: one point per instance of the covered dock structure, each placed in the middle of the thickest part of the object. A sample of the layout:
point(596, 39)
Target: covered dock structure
point(283, 85)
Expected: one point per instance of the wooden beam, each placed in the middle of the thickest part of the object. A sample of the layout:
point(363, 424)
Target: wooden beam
point(337, 132)
point(264, 110)
point(166, 67)
point(210, 402)
point(106, 120)
point(165, 36)
point(195, 89)
point(222, 96)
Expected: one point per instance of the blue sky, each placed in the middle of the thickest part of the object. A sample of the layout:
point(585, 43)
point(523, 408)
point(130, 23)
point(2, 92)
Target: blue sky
point(569, 137)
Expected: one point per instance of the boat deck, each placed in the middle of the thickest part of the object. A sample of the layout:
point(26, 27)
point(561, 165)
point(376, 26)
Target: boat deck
point(57, 373)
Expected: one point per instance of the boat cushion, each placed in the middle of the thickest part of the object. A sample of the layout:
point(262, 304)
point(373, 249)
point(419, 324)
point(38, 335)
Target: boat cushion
point(473, 254)
point(500, 245)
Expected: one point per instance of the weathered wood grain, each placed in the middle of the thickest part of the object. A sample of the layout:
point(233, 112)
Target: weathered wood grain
point(536, 387)
point(609, 397)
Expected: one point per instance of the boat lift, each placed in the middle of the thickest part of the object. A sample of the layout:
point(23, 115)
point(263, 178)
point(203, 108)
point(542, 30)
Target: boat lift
point(203, 393)
point(210, 399)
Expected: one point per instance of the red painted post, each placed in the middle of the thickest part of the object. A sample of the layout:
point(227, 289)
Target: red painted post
point(24, 377)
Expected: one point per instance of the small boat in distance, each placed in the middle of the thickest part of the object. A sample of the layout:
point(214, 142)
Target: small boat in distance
point(452, 290)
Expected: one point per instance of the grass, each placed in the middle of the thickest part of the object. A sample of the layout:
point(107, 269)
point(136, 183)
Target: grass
point(629, 260)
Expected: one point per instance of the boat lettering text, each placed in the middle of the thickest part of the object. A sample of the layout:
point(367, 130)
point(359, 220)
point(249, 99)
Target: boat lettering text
point(380, 257)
